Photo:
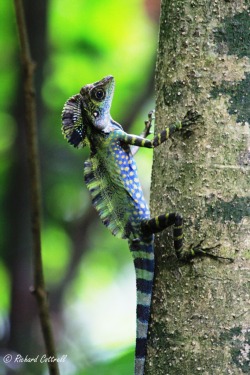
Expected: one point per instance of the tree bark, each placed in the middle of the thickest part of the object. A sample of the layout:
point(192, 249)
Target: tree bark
point(201, 309)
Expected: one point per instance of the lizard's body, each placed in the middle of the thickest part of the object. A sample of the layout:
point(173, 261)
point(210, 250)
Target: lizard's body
point(111, 177)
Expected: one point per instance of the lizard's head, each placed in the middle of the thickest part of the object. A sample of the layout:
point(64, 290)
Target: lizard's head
point(89, 108)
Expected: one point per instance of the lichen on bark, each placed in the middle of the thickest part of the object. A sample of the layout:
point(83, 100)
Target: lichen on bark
point(201, 310)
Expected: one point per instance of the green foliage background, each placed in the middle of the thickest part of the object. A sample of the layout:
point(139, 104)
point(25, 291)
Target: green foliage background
point(89, 273)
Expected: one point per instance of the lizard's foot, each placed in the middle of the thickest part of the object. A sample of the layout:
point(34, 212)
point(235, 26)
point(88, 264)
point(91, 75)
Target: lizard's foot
point(147, 130)
point(190, 118)
point(197, 250)
point(148, 123)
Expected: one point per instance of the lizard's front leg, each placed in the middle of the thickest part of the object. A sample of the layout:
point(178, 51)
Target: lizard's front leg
point(134, 140)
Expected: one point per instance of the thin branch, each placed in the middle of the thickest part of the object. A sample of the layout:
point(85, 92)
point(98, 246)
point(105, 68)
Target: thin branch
point(34, 170)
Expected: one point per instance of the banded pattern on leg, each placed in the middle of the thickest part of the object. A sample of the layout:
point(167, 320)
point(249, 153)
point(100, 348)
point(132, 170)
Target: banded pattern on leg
point(165, 134)
point(143, 255)
point(158, 223)
point(134, 140)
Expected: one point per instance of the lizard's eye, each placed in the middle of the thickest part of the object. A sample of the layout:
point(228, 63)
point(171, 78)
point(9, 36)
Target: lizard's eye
point(99, 94)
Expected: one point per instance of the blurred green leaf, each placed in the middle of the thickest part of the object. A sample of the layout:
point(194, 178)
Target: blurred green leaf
point(97, 39)
point(4, 289)
point(8, 61)
point(67, 201)
point(55, 251)
point(123, 365)
point(7, 132)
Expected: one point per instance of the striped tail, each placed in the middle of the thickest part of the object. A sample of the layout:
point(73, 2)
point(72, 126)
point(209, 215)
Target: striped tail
point(143, 254)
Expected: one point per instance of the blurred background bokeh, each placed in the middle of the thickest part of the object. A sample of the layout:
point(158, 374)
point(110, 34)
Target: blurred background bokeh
point(89, 273)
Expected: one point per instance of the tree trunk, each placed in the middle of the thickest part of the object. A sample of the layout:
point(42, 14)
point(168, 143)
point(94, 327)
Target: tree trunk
point(201, 309)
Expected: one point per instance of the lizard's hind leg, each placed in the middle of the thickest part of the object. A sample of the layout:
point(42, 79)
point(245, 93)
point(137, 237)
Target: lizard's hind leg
point(158, 223)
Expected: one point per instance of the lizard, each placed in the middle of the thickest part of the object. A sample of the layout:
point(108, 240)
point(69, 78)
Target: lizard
point(111, 176)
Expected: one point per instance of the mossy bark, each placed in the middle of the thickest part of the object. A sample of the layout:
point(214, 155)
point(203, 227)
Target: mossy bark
point(201, 310)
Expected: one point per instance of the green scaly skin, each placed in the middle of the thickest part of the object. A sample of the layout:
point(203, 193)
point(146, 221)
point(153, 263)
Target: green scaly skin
point(111, 177)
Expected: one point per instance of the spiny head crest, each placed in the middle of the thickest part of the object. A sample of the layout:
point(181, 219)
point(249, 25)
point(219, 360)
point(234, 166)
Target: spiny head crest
point(89, 108)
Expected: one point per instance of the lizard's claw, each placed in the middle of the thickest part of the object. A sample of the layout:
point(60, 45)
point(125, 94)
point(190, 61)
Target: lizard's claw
point(151, 115)
point(191, 118)
point(148, 123)
point(197, 250)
